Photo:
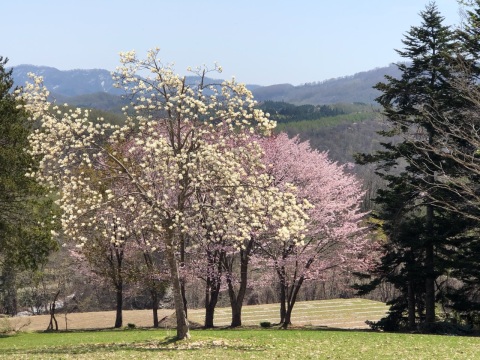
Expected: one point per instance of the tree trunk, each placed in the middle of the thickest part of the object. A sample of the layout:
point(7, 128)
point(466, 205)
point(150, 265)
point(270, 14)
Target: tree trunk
point(283, 302)
point(429, 252)
point(10, 289)
point(288, 318)
point(153, 287)
point(215, 260)
point(236, 315)
point(184, 297)
point(155, 302)
point(119, 306)
point(182, 281)
point(411, 305)
point(209, 313)
point(429, 271)
point(236, 300)
point(291, 300)
point(53, 320)
point(182, 322)
point(429, 285)
point(211, 299)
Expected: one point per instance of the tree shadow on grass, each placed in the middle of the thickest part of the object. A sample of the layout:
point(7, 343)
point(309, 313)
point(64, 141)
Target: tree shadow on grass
point(169, 344)
point(335, 329)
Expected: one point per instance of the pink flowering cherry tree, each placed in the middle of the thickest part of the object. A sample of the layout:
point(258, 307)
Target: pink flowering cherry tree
point(334, 234)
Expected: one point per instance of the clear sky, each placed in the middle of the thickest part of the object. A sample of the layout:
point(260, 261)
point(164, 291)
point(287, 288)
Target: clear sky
point(259, 41)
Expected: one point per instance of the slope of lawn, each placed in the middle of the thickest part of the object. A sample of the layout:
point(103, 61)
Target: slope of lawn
point(337, 313)
point(237, 344)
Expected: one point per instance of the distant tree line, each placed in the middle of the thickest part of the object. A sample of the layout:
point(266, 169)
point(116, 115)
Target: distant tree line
point(283, 112)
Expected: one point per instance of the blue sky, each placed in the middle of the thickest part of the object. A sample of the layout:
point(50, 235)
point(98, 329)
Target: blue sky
point(258, 41)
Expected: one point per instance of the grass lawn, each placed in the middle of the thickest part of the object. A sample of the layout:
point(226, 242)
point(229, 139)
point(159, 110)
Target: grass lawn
point(324, 336)
point(237, 344)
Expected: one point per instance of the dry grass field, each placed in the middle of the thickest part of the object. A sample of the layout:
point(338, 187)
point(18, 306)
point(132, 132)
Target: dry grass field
point(337, 313)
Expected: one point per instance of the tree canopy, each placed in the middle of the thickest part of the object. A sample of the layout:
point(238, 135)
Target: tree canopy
point(26, 213)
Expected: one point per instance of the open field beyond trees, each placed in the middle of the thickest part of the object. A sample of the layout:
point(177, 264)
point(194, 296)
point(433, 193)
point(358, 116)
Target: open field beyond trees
point(337, 313)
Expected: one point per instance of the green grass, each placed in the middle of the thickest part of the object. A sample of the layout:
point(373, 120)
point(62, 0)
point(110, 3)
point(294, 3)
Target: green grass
point(237, 344)
point(315, 341)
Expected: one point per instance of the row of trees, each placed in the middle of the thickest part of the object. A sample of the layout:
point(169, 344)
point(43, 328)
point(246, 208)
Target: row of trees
point(429, 208)
point(194, 186)
point(195, 176)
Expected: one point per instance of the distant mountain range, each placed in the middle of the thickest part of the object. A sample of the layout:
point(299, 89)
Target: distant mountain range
point(94, 88)
point(347, 89)
point(68, 83)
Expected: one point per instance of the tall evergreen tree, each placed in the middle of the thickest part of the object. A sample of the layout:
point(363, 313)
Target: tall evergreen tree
point(468, 36)
point(411, 221)
point(25, 211)
point(450, 171)
point(463, 142)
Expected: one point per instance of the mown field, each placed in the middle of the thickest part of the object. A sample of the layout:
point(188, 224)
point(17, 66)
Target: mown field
point(337, 313)
point(330, 329)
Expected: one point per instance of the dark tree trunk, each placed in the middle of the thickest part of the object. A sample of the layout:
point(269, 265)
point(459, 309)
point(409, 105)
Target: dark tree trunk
point(182, 281)
point(288, 318)
point(211, 299)
point(283, 302)
point(115, 259)
point(429, 252)
point(411, 305)
point(53, 324)
point(429, 285)
point(182, 322)
point(213, 281)
point(209, 315)
point(236, 314)
point(153, 285)
point(119, 306)
point(184, 297)
point(291, 300)
point(10, 289)
point(429, 272)
point(155, 302)
point(236, 303)
point(236, 300)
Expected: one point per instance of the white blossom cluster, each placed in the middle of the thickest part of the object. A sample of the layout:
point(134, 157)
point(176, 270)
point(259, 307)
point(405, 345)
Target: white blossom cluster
point(183, 164)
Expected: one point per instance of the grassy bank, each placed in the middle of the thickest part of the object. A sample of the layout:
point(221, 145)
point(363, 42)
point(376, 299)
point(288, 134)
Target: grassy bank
point(237, 344)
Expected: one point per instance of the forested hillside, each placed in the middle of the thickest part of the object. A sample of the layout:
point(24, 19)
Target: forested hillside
point(340, 129)
point(348, 89)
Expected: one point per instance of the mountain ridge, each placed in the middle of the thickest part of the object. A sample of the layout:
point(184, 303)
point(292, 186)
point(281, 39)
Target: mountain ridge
point(71, 84)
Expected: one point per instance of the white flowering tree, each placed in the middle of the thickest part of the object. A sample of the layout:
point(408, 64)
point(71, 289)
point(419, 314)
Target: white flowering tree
point(263, 212)
point(180, 153)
